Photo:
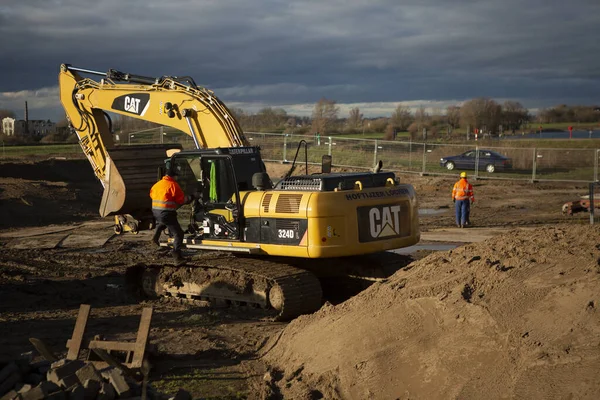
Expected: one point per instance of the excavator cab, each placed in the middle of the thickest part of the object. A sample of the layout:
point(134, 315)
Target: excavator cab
point(220, 177)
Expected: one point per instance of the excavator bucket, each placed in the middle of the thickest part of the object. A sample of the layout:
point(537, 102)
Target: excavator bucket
point(130, 173)
point(114, 194)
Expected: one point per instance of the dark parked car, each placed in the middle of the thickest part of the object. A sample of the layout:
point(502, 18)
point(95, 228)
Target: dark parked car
point(489, 161)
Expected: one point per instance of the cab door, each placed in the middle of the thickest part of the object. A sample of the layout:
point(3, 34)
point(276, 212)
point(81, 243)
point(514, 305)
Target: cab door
point(220, 195)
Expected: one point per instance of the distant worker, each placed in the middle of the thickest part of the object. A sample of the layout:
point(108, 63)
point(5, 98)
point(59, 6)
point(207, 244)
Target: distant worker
point(167, 197)
point(462, 196)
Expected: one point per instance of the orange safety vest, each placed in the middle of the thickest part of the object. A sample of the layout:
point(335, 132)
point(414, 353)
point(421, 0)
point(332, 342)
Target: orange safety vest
point(166, 194)
point(463, 190)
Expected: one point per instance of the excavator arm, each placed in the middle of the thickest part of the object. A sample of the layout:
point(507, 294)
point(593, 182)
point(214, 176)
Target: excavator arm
point(170, 101)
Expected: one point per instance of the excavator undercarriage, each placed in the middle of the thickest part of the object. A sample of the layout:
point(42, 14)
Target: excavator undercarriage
point(274, 289)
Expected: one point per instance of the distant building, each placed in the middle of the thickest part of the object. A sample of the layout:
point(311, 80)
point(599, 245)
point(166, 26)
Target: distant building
point(8, 126)
point(32, 128)
point(27, 128)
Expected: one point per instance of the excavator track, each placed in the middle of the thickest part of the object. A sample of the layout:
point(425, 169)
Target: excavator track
point(282, 291)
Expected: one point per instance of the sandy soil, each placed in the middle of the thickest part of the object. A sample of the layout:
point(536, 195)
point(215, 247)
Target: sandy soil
point(513, 315)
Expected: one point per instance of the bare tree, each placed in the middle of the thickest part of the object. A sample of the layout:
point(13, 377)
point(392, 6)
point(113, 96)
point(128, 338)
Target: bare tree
point(272, 119)
point(453, 116)
point(514, 115)
point(355, 119)
point(377, 125)
point(324, 116)
point(481, 113)
point(584, 114)
point(421, 116)
point(401, 118)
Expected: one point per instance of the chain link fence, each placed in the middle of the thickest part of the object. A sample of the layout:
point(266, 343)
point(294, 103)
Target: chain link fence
point(533, 164)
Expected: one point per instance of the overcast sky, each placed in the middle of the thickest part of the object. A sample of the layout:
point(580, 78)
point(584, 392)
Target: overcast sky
point(374, 54)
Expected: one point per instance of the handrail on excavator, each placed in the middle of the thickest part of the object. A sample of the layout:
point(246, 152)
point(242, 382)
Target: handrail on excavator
point(119, 76)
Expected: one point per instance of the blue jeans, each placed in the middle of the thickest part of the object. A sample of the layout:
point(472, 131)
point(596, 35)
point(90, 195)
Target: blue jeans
point(462, 211)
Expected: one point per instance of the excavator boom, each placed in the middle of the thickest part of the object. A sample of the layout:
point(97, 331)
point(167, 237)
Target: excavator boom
point(172, 101)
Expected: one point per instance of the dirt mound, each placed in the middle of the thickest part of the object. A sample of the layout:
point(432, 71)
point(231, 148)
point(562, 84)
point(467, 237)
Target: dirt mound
point(47, 192)
point(513, 317)
point(53, 170)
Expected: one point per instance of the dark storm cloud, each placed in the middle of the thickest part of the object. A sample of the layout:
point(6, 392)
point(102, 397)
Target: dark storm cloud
point(290, 52)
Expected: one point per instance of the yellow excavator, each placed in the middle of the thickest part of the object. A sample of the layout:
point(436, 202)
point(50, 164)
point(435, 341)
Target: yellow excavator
point(263, 245)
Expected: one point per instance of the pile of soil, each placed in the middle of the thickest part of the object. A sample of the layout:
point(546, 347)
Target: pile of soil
point(515, 316)
point(47, 192)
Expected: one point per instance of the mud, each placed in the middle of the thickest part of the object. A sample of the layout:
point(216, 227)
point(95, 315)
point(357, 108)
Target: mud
point(511, 314)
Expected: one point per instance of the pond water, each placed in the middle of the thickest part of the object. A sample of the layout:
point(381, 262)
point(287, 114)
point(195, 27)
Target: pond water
point(427, 246)
point(432, 211)
point(556, 135)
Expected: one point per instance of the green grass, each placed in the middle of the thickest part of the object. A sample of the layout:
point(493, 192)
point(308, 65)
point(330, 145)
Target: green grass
point(58, 150)
point(205, 383)
point(372, 135)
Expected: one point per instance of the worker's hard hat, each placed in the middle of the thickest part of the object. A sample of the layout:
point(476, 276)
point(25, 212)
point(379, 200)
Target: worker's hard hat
point(463, 174)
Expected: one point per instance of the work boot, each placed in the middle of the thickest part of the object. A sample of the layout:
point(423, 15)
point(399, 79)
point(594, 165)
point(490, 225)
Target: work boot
point(155, 239)
point(178, 259)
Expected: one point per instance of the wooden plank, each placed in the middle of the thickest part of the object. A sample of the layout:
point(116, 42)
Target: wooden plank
point(112, 346)
point(43, 349)
point(113, 362)
point(77, 338)
point(82, 241)
point(142, 338)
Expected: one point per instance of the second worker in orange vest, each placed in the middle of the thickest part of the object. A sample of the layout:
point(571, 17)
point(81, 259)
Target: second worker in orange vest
point(462, 196)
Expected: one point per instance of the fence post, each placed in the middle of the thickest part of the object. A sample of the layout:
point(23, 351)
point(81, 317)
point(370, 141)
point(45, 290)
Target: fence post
point(285, 147)
point(375, 154)
point(476, 162)
point(410, 154)
point(329, 150)
point(534, 164)
point(592, 205)
point(596, 165)
point(424, 158)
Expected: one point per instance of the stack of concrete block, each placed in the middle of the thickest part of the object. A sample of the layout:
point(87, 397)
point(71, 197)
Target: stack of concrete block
point(69, 380)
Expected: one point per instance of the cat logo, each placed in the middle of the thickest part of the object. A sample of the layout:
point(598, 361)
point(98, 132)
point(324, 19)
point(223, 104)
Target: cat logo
point(384, 221)
point(135, 104)
point(132, 104)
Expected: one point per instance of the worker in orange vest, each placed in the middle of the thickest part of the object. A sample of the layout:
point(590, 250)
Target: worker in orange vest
point(462, 196)
point(167, 197)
